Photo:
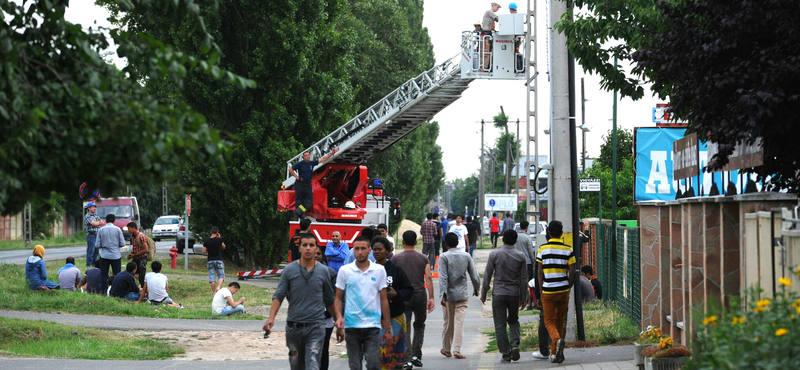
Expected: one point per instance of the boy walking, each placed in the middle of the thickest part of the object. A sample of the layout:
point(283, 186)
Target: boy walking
point(555, 286)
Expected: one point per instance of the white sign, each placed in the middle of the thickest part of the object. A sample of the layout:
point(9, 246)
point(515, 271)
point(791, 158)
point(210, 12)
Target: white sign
point(500, 202)
point(589, 184)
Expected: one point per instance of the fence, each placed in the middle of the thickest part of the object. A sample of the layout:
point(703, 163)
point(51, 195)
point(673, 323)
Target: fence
point(621, 277)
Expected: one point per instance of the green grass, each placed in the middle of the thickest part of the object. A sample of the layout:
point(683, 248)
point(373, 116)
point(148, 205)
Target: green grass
point(78, 239)
point(195, 295)
point(28, 338)
point(197, 266)
point(603, 325)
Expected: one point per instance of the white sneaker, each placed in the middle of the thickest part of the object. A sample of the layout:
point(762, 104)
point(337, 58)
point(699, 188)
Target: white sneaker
point(553, 359)
point(539, 356)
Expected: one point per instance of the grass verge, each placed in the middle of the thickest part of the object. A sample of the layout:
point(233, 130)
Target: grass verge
point(28, 338)
point(603, 325)
point(78, 239)
point(195, 295)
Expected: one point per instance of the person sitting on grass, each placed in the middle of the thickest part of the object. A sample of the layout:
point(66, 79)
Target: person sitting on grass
point(36, 272)
point(125, 285)
point(92, 280)
point(223, 303)
point(156, 288)
point(69, 276)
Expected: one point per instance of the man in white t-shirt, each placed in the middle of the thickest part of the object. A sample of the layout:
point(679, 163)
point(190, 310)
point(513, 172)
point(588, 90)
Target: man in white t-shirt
point(156, 288)
point(223, 303)
point(363, 283)
point(462, 232)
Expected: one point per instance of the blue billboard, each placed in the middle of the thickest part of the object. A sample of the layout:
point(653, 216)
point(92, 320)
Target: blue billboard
point(654, 156)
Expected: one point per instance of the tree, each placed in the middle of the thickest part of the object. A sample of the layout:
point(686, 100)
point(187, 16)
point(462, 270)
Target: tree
point(465, 193)
point(69, 117)
point(603, 169)
point(732, 71)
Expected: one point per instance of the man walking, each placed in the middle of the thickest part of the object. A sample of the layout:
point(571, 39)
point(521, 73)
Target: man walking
point(303, 195)
point(398, 292)
point(363, 282)
point(472, 233)
point(307, 285)
point(525, 245)
point(454, 265)
point(109, 241)
point(508, 222)
point(139, 253)
point(216, 268)
point(294, 241)
point(443, 226)
point(429, 233)
point(555, 284)
point(418, 270)
point(509, 292)
point(461, 231)
point(437, 240)
point(494, 228)
point(91, 224)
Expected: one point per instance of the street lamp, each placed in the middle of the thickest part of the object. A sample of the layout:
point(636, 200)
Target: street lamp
point(584, 129)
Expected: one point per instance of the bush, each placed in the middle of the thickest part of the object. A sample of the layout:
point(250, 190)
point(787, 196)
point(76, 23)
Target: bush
point(763, 334)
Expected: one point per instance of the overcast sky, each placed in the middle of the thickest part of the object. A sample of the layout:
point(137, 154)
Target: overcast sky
point(460, 122)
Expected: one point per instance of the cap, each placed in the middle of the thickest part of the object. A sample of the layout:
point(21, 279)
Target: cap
point(512, 6)
point(497, 4)
point(90, 204)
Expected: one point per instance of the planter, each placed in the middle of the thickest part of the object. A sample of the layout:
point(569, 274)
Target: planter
point(664, 363)
point(638, 359)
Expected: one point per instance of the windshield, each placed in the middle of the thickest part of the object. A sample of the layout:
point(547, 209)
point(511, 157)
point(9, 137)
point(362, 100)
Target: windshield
point(167, 221)
point(117, 211)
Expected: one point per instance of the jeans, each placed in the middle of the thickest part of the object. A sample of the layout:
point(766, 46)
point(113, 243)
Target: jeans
point(216, 270)
point(92, 254)
point(554, 308)
point(141, 269)
point(436, 246)
point(132, 296)
point(544, 336)
point(228, 310)
point(115, 268)
point(323, 361)
point(453, 334)
point(363, 344)
point(431, 250)
point(505, 310)
point(472, 248)
point(494, 239)
point(305, 346)
point(416, 306)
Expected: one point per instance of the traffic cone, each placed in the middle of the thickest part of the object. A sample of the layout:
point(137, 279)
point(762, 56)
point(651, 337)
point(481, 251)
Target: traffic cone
point(436, 266)
point(435, 275)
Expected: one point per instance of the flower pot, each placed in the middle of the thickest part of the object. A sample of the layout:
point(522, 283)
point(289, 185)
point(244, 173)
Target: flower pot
point(664, 363)
point(638, 359)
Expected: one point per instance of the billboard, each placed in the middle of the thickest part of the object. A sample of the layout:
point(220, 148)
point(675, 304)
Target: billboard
point(500, 202)
point(654, 158)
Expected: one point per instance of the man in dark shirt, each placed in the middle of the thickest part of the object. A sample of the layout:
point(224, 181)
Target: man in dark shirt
point(294, 241)
point(398, 291)
point(303, 195)
point(472, 232)
point(125, 286)
point(216, 268)
point(588, 273)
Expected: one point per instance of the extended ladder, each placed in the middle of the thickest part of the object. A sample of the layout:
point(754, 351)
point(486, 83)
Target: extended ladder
point(391, 118)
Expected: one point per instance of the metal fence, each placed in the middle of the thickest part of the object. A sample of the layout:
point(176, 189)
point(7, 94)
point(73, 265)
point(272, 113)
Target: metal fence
point(620, 272)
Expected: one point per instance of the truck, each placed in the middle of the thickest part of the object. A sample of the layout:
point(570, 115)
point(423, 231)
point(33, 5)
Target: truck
point(125, 209)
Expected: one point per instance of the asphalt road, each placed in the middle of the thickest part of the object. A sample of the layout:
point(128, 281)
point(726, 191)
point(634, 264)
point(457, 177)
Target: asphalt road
point(19, 256)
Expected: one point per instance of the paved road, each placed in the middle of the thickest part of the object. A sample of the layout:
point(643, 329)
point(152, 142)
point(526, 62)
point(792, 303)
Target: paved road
point(19, 256)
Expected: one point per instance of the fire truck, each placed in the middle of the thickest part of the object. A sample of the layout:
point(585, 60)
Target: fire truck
point(345, 198)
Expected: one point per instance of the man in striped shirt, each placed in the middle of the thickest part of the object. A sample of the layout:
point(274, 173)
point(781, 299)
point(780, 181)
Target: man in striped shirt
point(556, 271)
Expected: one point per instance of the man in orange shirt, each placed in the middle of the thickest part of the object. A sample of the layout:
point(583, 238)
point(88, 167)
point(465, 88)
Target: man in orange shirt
point(494, 225)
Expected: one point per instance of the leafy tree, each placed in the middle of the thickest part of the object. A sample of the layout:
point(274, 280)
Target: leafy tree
point(732, 70)
point(464, 194)
point(602, 169)
point(69, 117)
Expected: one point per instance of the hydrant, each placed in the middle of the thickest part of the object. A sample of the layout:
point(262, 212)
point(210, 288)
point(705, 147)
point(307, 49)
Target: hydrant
point(173, 253)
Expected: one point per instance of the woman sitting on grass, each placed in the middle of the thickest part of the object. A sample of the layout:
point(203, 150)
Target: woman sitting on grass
point(36, 272)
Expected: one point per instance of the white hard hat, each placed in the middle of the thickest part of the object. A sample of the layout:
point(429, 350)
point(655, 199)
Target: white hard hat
point(350, 205)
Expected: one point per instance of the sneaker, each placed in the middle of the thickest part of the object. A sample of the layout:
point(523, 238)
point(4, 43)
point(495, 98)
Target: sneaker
point(560, 351)
point(408, 366)
point(515, 354)
point(504, 361)
point(539, 356)
point(180, 306)
point(553, 359)
point(416, 361)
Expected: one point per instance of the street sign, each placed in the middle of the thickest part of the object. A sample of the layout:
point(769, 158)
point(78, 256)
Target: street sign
point(492, 202)
point(686, 152)
point(500, 202)
point(188, 205)
point(592, 184)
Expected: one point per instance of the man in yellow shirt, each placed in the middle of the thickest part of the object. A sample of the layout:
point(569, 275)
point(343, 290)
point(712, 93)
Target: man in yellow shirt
point(556, 266)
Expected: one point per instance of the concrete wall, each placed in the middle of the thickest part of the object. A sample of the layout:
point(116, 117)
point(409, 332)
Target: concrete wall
point(692, 253)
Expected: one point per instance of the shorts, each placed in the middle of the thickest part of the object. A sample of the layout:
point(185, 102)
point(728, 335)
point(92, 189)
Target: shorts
point(167, 300)
point(216, 270)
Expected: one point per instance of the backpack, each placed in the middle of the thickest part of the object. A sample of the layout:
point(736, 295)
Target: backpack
point(151, 248)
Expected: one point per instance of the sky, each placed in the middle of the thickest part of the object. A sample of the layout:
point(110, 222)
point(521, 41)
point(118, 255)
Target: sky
point(460, 122)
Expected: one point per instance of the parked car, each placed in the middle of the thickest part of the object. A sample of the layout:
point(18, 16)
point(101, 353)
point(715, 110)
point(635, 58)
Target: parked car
point(166, 227)
point(180, 243)
point(541, 229)
point(125, 209)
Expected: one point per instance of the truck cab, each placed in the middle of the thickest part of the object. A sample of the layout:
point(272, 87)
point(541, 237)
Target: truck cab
point(126, 210)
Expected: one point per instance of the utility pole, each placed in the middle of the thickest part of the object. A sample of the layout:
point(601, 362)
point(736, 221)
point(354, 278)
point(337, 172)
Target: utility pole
point(164, 202)
point(613, 269)
point(27, 232)
point(532, 89)
point(508, 157)
point(481, 185)
point(517, 162)
point(583, 127)
point(564, 153)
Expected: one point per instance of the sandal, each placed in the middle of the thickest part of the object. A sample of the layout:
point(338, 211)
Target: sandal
point(458, 355)
point(445, 354)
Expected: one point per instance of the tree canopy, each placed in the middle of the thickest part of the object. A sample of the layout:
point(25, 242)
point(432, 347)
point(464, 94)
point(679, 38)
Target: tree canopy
point(602, 168)
point(70, 117)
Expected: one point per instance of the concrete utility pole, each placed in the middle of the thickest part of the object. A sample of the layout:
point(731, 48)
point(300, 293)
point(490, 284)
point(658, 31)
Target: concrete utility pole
point(517, 161)
point(532, 90)
point(583, 127)
point(508, 157)
point(481, 185)
point(564, 158)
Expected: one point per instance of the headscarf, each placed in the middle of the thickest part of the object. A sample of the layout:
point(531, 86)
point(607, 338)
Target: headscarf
point(38, 251)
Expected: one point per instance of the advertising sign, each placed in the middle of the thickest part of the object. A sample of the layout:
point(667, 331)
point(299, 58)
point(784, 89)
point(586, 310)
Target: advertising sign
point(500, 202)
point(592, 184)
point(686, 161)
point(743, 156)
